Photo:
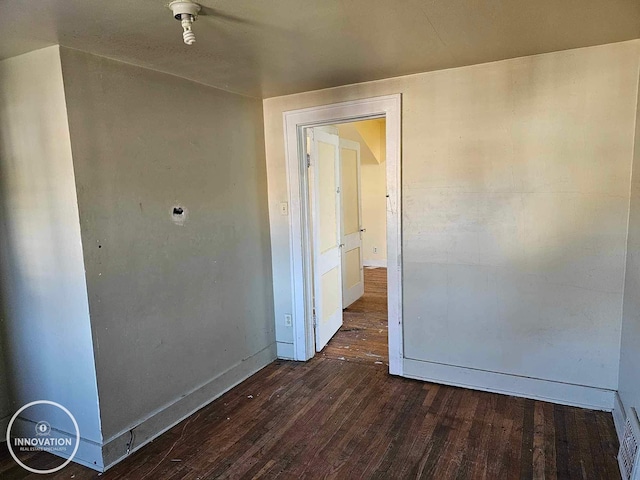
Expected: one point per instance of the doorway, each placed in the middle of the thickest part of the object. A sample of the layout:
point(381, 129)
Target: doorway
point(347, 199)
point(300, 218)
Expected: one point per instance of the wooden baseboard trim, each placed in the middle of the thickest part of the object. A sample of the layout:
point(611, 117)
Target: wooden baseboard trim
point(537, 389)
point(286, 351)
point(117, 449)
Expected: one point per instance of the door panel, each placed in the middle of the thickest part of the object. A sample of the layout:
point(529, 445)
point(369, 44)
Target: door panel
point(350, 213)
point(328, 219)
point(324, 179)
point(353, 264)
point(352, 269)
point(331, 294)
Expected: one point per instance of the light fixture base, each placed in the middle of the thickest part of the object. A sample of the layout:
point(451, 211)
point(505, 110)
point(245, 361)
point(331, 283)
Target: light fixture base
point(184, 7)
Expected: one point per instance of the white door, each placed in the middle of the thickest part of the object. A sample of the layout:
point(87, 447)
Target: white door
point(352, 269)
point(324, 182)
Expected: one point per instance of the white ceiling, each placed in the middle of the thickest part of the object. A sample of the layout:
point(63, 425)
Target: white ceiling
point(265, 48)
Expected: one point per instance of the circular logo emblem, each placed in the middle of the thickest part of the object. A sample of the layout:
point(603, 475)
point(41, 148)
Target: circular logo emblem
point(45, 439)
point(43, 428)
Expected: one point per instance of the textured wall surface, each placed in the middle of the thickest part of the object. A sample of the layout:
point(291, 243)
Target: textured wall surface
point(515, 202)
point(175, 303)
point(5, 401)
point(629, 387)
point(46, 326)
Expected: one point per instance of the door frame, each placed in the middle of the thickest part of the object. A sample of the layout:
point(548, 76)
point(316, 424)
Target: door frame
point(295, 121)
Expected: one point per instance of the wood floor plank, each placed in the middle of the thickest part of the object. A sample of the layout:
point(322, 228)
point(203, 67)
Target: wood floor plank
point(538, 443)
point(438, 441)
point(528, 434)
point(457, 441)
point(500, 464)
point(550, 470)
point(577, 457)
point(381, 409)
point(363, 335)
point(608, 442)
point(485, 455)
point(562, 442)
point(396, 434)
point(587, 462)
point(474, 442)
point(342, 416)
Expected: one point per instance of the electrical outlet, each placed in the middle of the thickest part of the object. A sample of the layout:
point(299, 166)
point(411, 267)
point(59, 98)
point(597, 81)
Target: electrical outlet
point(287, 320)
point(284, 208)
point(375, 249)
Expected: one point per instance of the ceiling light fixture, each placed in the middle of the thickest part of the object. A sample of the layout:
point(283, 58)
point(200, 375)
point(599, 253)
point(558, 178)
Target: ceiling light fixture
point(187, 12)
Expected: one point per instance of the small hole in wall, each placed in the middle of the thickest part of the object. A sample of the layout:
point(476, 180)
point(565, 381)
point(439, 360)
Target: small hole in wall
point(99, 246)
point(179, 215)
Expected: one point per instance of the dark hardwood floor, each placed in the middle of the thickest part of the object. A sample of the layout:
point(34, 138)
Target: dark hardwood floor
point(363, 335)
point(348, 419)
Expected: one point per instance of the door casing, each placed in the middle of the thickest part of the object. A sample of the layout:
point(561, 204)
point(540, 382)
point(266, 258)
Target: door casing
point(295, 121)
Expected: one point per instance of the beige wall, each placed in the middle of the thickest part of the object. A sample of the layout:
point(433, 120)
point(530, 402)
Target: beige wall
point(180, 312)
point(630, 347)
point(45, 325)
point(5, 404)
point(373, 187)
point(515, 202)
point(374, 214)
point(373, 133)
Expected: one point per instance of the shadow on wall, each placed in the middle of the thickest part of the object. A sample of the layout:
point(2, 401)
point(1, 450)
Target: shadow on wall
point(514, 228)
point(7, 407)
point(41, 283)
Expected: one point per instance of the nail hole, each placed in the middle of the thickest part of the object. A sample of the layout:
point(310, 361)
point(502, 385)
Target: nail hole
point(178, 210)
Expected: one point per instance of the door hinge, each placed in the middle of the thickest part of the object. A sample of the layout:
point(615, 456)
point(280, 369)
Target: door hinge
point(308, 160)
point(315, 320)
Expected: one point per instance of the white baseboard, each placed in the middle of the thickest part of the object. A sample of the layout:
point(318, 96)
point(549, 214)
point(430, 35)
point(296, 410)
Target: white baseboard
point(375, 263)
point(285, 351)
point(619, 415)
point(537, 389)
point(115, 448)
